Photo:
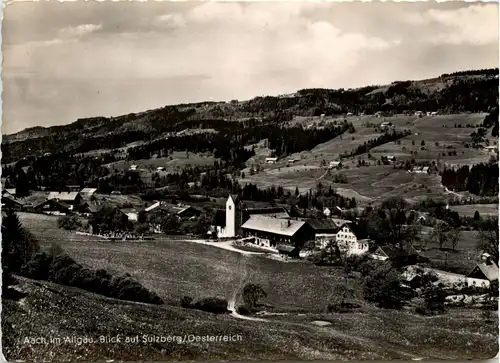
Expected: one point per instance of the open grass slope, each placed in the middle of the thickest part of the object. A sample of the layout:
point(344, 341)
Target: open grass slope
point(177, 268)
point(484, 210)
point(50, 311)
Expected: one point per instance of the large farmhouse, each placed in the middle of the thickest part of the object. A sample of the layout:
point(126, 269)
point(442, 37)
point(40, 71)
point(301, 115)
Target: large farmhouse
point(269, 232)
point(337, 231)
point(71, 198)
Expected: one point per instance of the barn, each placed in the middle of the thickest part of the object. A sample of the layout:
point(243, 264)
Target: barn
point(269, 232)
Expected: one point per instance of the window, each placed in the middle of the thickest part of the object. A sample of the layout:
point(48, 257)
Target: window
point(229, 207)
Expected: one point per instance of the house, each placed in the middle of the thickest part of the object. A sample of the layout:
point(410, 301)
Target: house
point(269, 232)
point(340, 222)
point(289, 251)
point(54, 207)
point(88, 192)
point(291, 161)
point(335, 165)
point(383, 253)
point(491, 148)
point(71, 198)
point(487, 270)
point(390, 158)
point(88, 208)
point(166, 209)
point(275, 212)
point(420, 170)
point(419, 113)
point(271, 160)
point(9, 191)
point(73, 188)
point(349, 114)
point(327, 212)
point(413, 273)
point(434, 113)
point(385, 125)
point(131, 214)
point(379, 114)
point(10, 202)
point(116, 192)
point(133, 167)
point(160, 168)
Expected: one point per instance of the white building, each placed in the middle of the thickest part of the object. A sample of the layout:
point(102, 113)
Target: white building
point(349, 243)
point(327, 212)
point(133, 167)
point(271, 160)
point(335, 164)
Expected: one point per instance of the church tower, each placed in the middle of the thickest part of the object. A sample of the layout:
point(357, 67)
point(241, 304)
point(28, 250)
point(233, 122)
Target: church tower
point(233, 216)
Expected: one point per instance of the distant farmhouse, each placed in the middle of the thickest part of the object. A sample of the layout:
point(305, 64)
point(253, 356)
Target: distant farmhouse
point(72, 199)
point(420, 170)
point(335, 165)
point(271, 160)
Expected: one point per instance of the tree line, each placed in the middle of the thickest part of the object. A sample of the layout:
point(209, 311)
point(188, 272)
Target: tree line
point(480, 179)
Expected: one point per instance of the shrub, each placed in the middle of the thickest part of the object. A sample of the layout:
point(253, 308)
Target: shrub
point(187, 302)
point(384, 288)
point(251, 295)
point(38, 267)
point(243, 310)
point(58, 267)
point(343, 307)
point(212, 304)
point(69, 223)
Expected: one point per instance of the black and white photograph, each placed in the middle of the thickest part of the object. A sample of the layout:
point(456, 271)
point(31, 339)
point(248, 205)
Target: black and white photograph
point(249, 181)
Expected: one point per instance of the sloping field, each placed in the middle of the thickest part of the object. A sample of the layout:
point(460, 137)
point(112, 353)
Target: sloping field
point(175, 268)
point(438, 134)
point(52, 311)
point(174, 162)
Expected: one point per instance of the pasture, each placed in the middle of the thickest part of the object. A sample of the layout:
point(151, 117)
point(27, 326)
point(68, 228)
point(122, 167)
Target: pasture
point(175, 162)
point(433, 138)
point(174, 268)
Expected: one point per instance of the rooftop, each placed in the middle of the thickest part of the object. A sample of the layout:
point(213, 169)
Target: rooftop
point(284, 227)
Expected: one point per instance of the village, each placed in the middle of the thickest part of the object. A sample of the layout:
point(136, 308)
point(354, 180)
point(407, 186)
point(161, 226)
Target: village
point(273, 231)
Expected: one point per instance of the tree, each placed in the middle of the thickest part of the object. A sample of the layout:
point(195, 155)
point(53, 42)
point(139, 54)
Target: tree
point(383, 287)
point(488, 237)
point(454, 237)
point(477, 216)
point(391, 219)
point(18, 245)
point(440, 233)
point(251, 295)
point(170, 224)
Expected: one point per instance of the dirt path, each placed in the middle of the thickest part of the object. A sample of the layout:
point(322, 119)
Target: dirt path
point(231, 306)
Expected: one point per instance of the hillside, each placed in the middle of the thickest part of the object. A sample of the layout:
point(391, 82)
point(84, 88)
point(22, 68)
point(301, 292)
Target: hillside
point(473, 91)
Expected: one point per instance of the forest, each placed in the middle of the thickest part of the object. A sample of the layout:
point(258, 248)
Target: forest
point(480, 179)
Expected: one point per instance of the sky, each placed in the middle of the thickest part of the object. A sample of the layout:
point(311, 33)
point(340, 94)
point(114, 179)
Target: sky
point(68, 60)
